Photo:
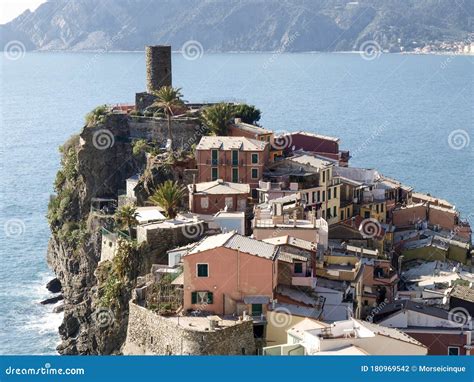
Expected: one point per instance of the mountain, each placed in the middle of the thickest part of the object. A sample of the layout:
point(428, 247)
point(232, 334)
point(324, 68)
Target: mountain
point(240, 25)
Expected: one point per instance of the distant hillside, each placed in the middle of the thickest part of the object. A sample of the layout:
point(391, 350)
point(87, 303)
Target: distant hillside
point(240, 25)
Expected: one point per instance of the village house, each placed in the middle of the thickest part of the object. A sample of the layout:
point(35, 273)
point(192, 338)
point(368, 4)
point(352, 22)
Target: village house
point(232, 274)
point(376, 284)
point(348, 337)
point(441, 331)
point(285, 216)
point(309, 176)
point(232, 159)
point(317, 144)
point(218, 195)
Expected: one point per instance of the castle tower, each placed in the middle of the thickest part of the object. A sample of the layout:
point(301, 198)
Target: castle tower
point(158, 67)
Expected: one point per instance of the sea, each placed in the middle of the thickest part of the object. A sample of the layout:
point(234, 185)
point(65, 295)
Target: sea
point(409, 116)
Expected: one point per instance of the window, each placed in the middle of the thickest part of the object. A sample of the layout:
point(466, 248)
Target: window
point(381, 207)
point(202, 270)
point(257, 309)
point(334, 211)
point(324, 214)
point(235, 157)
point(319, 196)
point(254, 158)
point(324, 176)
point(214, 173)
point(366, 214)
point(328, 213)
point(204, 203)
point(335, 192)
point(342, 214)
point(453, 350)
point(214, 157)
point(329, 194)
point(255, 173)
point(324, 196)
point(235, 175)
point(203, 297)
point(298, 268)
point(377, 208)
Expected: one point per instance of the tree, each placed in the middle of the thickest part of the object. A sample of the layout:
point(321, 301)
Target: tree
point(126, 217)
point(168, 98)
point(247, 113)
point(168, 196)
point(218, 117)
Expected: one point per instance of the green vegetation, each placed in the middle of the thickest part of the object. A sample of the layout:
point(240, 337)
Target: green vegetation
point(218, 117)
point(168, 196)
point(141, 146)
point(247, 113)
point(97, 115)
point(168, 98)
point(126, 217)
point(114, 277)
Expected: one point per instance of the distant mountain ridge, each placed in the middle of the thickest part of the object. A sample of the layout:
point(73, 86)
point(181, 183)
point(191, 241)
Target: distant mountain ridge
point(243, 25)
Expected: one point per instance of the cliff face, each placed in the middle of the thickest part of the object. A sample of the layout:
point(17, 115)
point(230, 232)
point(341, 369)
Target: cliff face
point(95, 164)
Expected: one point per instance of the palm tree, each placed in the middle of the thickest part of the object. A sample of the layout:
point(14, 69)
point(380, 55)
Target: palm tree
point(168, 98)
point(126, 216)
point(168, 196)
point(218, 117)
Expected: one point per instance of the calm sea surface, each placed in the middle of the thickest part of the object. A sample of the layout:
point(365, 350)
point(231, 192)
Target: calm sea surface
point(394, 113)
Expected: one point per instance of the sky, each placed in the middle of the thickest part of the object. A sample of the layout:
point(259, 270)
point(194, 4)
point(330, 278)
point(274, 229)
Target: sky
point(9, 9)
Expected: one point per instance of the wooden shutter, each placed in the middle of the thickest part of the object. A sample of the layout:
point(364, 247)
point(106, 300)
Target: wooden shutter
point(210, 298)
point(193, 297)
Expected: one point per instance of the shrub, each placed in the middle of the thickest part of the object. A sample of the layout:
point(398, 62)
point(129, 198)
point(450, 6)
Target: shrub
point(97, 115)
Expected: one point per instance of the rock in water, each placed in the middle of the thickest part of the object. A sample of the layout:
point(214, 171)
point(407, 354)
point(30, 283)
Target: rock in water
point(52, 300)
point(54, 286)
point(58, 309)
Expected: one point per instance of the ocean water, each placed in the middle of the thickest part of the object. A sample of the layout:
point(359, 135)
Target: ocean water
point(409, 116)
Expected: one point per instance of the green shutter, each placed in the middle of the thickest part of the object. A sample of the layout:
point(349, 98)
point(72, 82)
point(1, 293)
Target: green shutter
point(210, 297)
point(193, 297)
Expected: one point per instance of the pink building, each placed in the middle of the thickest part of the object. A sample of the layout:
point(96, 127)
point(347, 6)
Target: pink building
point(233, 159)
point(230, 273)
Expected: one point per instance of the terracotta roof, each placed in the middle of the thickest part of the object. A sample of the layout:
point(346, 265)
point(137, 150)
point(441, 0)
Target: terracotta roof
point(325, 137)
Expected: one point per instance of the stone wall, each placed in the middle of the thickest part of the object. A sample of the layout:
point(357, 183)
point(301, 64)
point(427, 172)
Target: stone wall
point(186, 131)
point(149, 333)
point(159, 240)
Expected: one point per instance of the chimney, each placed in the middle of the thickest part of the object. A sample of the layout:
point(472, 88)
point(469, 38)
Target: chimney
point(158, 67)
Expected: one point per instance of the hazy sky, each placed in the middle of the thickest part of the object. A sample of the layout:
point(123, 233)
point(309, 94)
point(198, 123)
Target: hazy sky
point(9, 9)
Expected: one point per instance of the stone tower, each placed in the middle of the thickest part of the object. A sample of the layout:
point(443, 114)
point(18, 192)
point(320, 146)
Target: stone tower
point(158, 67)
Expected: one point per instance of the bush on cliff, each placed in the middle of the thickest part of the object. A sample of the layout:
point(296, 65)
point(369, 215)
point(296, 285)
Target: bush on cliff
point(97, 115)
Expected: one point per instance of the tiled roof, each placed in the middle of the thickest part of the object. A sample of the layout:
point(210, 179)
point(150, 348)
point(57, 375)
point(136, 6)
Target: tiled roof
point(252, 128)
point(463, 293)
point(310, 160)
point(291, 257)
point(390, 332)
point(293, 241)
point(325, 137)
point(231, 143)
point(295, 310)
point(233, 240)
point(219, 187)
